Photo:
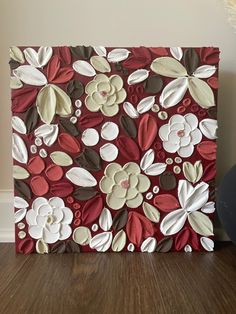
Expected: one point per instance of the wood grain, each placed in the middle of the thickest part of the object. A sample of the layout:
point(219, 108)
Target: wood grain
point(118, 283)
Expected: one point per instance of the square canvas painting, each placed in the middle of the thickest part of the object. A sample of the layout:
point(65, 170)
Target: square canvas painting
point(114, 149)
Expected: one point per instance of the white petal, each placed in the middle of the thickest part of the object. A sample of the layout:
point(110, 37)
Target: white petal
point(146, 104)
point(40, 58)
point(176, 52)
point(16, 54)
point(117, 55)
point(109, 131)
point(19, 202)
point(90, 137)
point(39, 201)
point(108, 152)
point(208, 208)
point(30, 75)
point(204, 71)
point(100, 51)
point(19, 214)
point(198, 197)
point(147, 159)
point(169, 67)
point(155, 169)
point(185, 189)
point(84, 68)
point(192, 120)
point(65, 232)
point(68, 216)
point(50, 237)
point(193, 173)
point(174, 92)
point(48, 132)
point(35, 232)
point(105, 219)
point(20, 173)
point(207, 244)
point(201, 92)
point(15, 83)
point(201, 223)
point(196, 136)
point(41, 247)
point(19, 150)
point(164, 132)
point(208, 128)
point(186, 151)
point(119, 241)
point(170, 147)
point(151, 212)
point(100, 64)
point(101, 242)
point(18, 125)
point(138, 76)
point(81, 177)
point(173, 222)
point(61, 158)
point(149, 245)
point(130, 110)
point(56, 202)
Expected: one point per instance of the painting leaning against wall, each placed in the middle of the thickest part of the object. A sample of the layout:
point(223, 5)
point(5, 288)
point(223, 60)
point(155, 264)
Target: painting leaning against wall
point(114, 149)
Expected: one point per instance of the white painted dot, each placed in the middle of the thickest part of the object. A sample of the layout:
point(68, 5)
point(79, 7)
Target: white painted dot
point(156, 189)
point(73, 120)
point(33, 149)
point(130, 247)
point(149, 196)
point(95, 227)
point(78, 103)
point(90, 137)
point(43, 153)
point(38, 141)
point(108, 152)
point(109, 131)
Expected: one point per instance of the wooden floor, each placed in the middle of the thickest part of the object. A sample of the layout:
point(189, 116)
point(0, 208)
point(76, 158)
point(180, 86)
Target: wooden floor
point(118, 283)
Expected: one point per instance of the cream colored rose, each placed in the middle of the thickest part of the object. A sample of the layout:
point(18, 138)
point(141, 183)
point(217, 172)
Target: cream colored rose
point(105, 94)
point(124, 185)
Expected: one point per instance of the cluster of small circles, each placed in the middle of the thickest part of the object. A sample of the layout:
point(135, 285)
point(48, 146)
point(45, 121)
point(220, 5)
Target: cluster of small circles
point(193, 108)
point(70, 200)
point(78, 105)
point(162, 115)
point(170, 161)
point(155, 190)
point(33, 149)
point(21, 233)
point(135, 91)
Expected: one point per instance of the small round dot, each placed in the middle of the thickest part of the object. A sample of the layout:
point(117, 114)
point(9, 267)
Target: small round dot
point(77, 222)
point(157, 145)
point(201, 113)
point(149, 196)
point(156, 189)
point(134, 99)
point(78, 113)
point(186, 102)
point(76, 206)
point(178, 160)
point(130, 247)
point(78, 103)
point(169, 161)
point(155, 108)
point(21, 234)
point(21, 225)
point(139, 89)
point(194, 108)
point(181, 109)
point(38, 141)
point(95, 227)
point(161, 155)
point(70, 200)
point(163, 115)
point(131, 89)
point(73, 120)
point(33, 149)
point(188, 248)
point(77, 214)
point(176, 169)
point(43, 153)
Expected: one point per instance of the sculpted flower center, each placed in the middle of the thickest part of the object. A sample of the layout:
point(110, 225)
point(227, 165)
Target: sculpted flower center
point(50, 219)
point(124, 184)
point(103, 93)
point(181, 133)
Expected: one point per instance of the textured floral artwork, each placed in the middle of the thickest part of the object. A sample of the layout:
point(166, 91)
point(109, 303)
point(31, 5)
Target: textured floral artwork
point(114, 148)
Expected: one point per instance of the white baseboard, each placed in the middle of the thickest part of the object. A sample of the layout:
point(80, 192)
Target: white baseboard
point(7, 232)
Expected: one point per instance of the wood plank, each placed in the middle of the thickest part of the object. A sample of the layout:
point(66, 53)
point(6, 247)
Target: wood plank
point(118, 283)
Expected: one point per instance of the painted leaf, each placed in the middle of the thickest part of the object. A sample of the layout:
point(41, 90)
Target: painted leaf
point(166, 202)
point(155, 169)
point(16, 54)
point(160, 51)
point(100, 64)
point(69, 127)
point(146, 104)
point(18, 125)
point(119, 241)
point(20, 173)
point(19, 202)
point(75, 89)
point(19, 150)
point(185, 236)
point(81, 177)
point(15, 83)
point(58, 74)
point(128, 125)
point(120, 219)
point(151, 212)
point(153, 84)
point(169, 67)
point(132, 153)
point(61, 159)
point(209, 55)
point(130, 110)
point(193, 173)
point(89, 159)
point(147, 131)
point(91, 120)
point(117, 55)
point(209, 172)
point(201, 92)
point(92, 209)
point(201, 223)
point(40, 58)
point(138, 76)
point(22, 189)
point(176, 52)
point(191, 60)
point(68, 143)
point(147, 159)
point(31, 119)
point(209, 128)
point(139, 58)
point(204, 71)
point(48, 133)
point(101, 242)
point(207, 149)
point(41, 247)
point(100, 51)
point(30, 75)
point(174, 92)
point(105, 219)
point(149, 245)
point(84, 68)
point(61, 189)
point(23, 98)
point(84, 194)
point(164, 245)
point(82, 52)
point(207, 244)
point(208, 208)
point(173, 222)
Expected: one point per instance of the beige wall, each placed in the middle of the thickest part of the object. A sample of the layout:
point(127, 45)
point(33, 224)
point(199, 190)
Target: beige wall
point(121, 23)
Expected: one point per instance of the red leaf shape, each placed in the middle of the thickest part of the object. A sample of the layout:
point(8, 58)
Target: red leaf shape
point(68, 143)
point(209, 172)
point(166, 202)
point(53, 68)
point(61, 189)
point(92, 209)
point(213, 82)
point(147, 131)
point(138, 228)
point(64, 75)
point(58, 74)
point(64, 54)
point(90, 120)
point(39, 185)
point(26, 246)
point(128, 148)
point(207, 150)
point(36, 165)
point(159, 51)
point(209, 55)
point(140, 58)
point(186, 236)
point(23, 98)
point(54, 172)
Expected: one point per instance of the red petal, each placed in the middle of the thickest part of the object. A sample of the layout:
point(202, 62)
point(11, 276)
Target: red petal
point(147, 131)
point(23, 98)
point(209, 172)
point(26, 246)
point(68, 143)
point(140, 58)
point(207, 150)
point(39, 185)
point(186, 236)
point(53, 68)
point(92, 209)
point(213, 82)
point(64, 75)
point(166, 202)
point(54, 172)
point(209, 55)
point(159, 51)
point(36, 165)
point(90, 120)
point(128, 148)
point(64, 54)
point(61, 189)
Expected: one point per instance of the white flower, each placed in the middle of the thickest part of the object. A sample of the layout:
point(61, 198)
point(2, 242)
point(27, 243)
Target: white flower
point(180, 134)
point(191, 199)
point(49, 219)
